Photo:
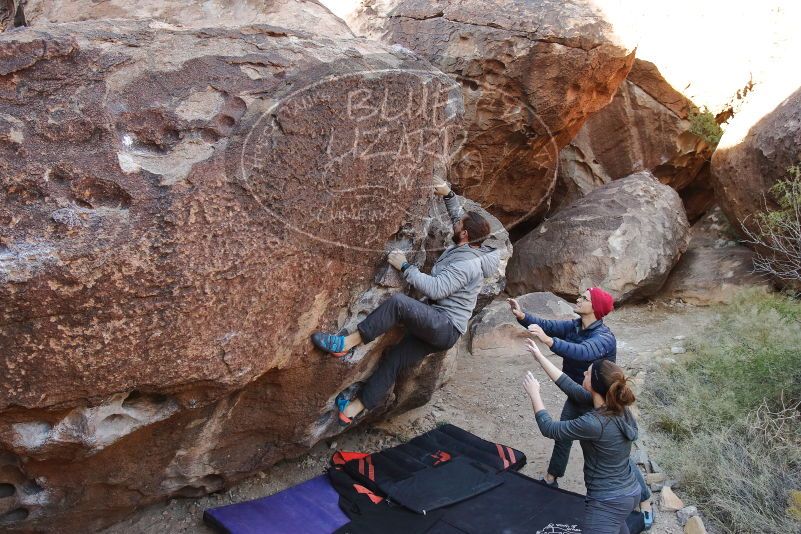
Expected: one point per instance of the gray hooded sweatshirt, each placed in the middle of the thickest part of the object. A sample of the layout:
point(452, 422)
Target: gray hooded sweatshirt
point(605, 440)
point(457, 276)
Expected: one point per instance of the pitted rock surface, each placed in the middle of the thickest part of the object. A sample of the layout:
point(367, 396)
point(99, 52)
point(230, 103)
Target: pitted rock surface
point(625, 237)
point(532, 72)
point(179, 210)
point(307, 15)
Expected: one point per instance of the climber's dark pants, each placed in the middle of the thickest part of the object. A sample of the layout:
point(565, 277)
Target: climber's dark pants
point(428, 330)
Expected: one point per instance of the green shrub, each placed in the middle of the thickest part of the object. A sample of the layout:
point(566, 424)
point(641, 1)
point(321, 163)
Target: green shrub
point(776, 233)
point(704, 125)
point(730, 419)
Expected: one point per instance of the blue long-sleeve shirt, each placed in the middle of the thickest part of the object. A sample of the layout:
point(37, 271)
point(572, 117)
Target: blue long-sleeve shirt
point(577, 346)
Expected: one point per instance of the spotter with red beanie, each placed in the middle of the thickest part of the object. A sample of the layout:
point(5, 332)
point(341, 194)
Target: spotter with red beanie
point(579, 342)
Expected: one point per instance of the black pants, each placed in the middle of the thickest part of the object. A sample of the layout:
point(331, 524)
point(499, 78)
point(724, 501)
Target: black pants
point(428, 330)
point(561, 448)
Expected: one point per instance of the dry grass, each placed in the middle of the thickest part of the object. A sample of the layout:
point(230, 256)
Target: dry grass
point(730, 417)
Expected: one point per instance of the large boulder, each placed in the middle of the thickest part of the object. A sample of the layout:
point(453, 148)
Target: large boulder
point(532, 72)
point(496, 333)
point(714, 267)
point(179, 210)
point(625, 237)
point(646, 127)
point(308, 15)
point(759, 145)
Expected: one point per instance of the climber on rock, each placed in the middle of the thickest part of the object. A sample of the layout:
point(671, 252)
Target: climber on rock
point(451, 291)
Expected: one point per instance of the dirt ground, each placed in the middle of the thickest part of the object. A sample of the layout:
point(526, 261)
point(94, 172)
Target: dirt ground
point(485, 397)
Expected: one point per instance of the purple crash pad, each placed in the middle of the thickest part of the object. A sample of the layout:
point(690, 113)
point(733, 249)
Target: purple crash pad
point(311, 507)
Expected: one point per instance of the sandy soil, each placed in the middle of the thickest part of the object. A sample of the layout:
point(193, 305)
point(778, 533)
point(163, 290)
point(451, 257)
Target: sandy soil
point(485, 397)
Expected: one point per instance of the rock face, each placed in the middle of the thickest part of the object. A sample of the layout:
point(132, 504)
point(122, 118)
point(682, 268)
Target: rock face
point(760, 143)
point(646, 127)
point(495, 331)
point(179, 210)
point(307, 15)
point(714, 267)
point(532, 72)
point(624, 237)
point(368, 18)
point(8, 10)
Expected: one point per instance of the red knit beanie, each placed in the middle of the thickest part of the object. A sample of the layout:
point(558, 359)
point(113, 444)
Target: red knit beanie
point(602, 302)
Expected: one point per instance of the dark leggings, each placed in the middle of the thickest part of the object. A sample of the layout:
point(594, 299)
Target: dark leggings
point(609, 516)
point(428, 330)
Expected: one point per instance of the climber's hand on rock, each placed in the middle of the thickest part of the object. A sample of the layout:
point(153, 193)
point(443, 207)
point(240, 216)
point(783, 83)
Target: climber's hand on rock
point(397, 258)
point(441, 188)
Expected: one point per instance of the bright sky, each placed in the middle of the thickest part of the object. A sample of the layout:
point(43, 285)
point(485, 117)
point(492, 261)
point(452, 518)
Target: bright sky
point(707, 49)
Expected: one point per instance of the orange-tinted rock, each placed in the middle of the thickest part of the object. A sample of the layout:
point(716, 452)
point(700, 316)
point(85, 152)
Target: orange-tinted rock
point(532, 72)
point(646, 127)
point(179, 210)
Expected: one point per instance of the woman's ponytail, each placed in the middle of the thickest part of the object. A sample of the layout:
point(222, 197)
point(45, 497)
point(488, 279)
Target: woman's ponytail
point(618, 393)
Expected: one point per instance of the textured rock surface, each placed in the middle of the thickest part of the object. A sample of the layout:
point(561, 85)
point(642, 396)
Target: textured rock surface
point(714, 267)
point(644, 128)
point(760, 143)
point(695, 525)
point(669, 501)
point(8, 10)
point(624, 237)
point(308, 15)
point(531, 71)
point(179, 210)
point(368, 18)
point(496, 333)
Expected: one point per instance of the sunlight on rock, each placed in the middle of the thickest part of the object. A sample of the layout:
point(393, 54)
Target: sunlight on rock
point(710, 50)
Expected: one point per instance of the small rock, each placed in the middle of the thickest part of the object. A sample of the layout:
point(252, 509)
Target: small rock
point(655, 478)
point(333, 445)
point(640, 457)
point(657, 486)
point(669, 501)
point(686, 513)
point(679, 338)
point(678, 350)
point(694, 526)
point(655, 467)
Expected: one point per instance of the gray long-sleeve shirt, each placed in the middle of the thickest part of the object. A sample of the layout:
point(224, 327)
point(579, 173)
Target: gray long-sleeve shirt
point(456, 277)
point(605, 440)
